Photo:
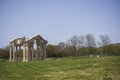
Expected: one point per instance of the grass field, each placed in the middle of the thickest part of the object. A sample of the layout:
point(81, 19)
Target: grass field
point(73, 68)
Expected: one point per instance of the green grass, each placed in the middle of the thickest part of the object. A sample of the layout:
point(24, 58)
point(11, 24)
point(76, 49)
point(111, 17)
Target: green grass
point(80, 68)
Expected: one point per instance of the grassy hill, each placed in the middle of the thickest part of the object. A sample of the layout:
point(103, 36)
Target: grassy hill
point(72, 68)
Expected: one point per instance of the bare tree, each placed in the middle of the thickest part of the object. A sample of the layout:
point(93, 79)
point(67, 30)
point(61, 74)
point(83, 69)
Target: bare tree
point(73, 42)
point(90, 43)
point(81, 41)
point(77, 41)
point(104, 40)
point(67, 44)
point(90, 40)
point(61, 45)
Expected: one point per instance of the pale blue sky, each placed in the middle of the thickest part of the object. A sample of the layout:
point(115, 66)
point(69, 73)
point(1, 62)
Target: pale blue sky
point(58, 20)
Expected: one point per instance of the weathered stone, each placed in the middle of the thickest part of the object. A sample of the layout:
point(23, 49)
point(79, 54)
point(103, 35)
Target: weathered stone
point(29, 52)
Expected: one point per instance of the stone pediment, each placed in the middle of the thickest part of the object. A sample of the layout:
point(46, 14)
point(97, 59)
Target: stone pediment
point(38, 38)
point(20, 41)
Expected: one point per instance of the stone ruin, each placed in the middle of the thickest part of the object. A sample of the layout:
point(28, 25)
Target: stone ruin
point(33, 48)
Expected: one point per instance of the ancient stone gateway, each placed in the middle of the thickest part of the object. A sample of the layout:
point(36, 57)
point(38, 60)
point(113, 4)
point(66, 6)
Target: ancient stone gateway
point(33, 48)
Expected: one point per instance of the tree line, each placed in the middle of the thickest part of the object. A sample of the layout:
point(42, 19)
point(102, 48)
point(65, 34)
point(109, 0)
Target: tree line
point(84, 45)
point(4, 53)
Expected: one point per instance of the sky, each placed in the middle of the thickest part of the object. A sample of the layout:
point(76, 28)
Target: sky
point(58, 20)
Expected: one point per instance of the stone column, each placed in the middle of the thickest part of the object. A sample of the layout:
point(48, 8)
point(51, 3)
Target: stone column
point(32, 53)
point(36, 53)
point(41, 52)
point(27, 55)
point(16, 53)
point(10, 56)
point(19, 51)
point(13, 48)
point(24, 52)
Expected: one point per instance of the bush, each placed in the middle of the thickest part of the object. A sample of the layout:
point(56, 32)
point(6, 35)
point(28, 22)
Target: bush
point(4, 54)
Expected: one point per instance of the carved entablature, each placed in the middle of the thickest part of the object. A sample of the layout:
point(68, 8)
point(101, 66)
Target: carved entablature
point(18, 41)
